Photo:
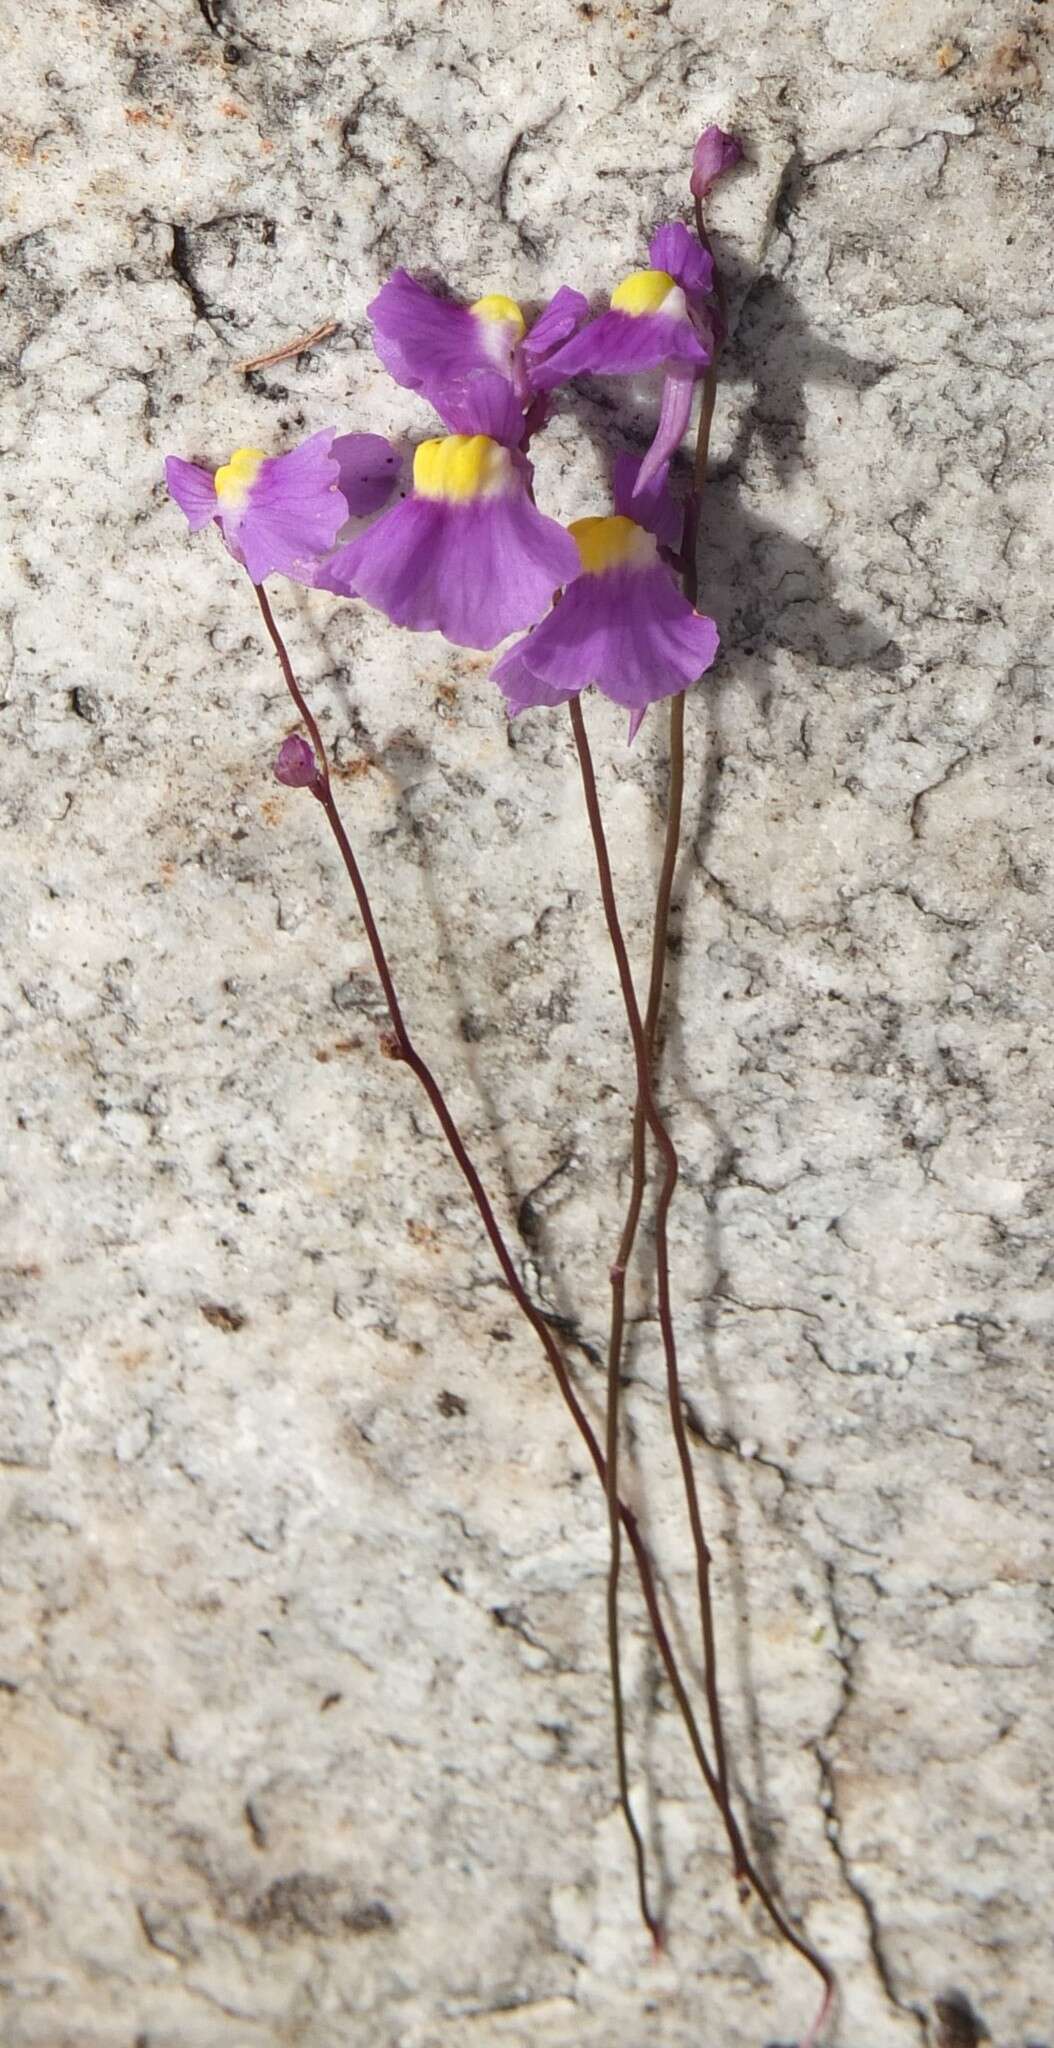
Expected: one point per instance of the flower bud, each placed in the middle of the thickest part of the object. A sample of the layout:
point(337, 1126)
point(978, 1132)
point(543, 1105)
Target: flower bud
point(295, 766)
point(714, 153)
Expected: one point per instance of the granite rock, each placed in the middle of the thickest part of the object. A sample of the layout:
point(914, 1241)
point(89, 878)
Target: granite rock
point(302, 1673)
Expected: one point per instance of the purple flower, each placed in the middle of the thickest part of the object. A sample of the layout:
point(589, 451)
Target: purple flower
point(438, 348)
point(714, 154)
point(278, 514)
point(658, 318)
point(467, 554)
point(622, 623)
point(296, 766)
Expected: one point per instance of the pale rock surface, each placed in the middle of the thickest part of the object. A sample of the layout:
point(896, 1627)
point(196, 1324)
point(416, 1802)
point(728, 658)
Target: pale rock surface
point(304, 1696)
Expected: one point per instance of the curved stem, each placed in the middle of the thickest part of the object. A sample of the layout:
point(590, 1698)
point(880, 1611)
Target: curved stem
point(668, 1152)
point(400, 1046)
point(403, 1048)
point(611, 1452)
point(660, 935)
point(664, 1143)
point(617, 1323)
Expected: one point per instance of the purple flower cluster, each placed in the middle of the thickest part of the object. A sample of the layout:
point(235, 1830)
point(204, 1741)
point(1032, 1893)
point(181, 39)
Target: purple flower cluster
point(466, 552)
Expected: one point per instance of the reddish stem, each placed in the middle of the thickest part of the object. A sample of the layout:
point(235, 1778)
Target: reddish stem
point(741, 1861)
point(404, 1049)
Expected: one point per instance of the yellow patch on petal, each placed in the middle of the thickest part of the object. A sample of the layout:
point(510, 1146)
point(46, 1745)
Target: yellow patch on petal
point(460, 467)
point(643, 292)
point(495, 306)
point(614, 543)
point(235, 480)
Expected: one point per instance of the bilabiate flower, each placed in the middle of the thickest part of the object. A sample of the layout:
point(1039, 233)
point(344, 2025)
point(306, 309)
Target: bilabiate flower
point(622, 624)
point(658, 318)
point(467, 554)
point(278, 514)
point(436, 347)
point(714, 154)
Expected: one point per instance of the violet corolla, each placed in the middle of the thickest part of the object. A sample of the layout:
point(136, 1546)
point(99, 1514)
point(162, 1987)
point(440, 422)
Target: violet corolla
point(622, 623)
point(438, 347)
point(280, 514)
point(662, 318)
point(467, 554)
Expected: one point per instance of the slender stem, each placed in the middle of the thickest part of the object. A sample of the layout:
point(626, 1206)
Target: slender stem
point(293, 686)
point(617, 1323)
point(404, 1049)
point(401, 1047)
point(611, 1448)
point(743, 1866)
point(660, 933)
point(535, 418)
point(611, 1452)
point(659, 943)
point(674, 811)
point(668, 1153)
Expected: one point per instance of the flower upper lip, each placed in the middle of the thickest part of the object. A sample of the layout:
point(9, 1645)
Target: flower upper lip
point(662, 318)
point(439, 348)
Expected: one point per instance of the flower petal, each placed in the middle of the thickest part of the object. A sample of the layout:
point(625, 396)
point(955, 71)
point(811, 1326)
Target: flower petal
point(474, 571)
point(292, 513)
point(629, 631)
point(674, 248)
point(619, 343)
point(431, 345)
point(521, 689)
point(421, 338)
point(389, 565)
point(501, 563)
point(665, 645)
point(193, 490)
point(653, 506)
point(483, 403)
point(368, 472)
point(555, 324)
point(674, 414)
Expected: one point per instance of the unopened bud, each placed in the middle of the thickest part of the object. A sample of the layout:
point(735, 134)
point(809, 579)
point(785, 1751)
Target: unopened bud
point(295, 766)
point(714, 154)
